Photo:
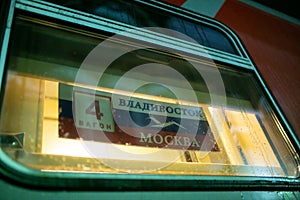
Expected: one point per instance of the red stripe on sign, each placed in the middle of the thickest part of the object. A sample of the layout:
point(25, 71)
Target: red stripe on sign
point(175, 2)
point(139, 137)
point(148, 138)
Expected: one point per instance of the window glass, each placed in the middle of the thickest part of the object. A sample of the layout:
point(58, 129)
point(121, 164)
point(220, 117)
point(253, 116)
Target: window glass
point(138, 14)
point(127, 122)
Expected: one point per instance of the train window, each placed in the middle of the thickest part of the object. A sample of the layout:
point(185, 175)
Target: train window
point(126, 12)
point(149, 113)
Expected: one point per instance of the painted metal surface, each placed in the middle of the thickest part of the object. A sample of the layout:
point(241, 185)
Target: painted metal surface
point(6, 36)
point(13, 192)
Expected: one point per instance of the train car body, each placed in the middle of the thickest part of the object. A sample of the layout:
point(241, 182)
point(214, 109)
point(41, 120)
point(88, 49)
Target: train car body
point(141, 100)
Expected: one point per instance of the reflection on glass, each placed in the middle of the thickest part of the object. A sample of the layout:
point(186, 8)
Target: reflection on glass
point(56, 124)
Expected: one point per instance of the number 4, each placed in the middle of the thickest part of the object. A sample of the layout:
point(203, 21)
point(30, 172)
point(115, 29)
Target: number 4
point(90, 110)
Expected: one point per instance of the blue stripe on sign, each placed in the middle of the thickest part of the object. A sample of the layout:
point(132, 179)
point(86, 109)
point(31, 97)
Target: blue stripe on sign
point(144, 120)
point(65, 109)
point(158, 122)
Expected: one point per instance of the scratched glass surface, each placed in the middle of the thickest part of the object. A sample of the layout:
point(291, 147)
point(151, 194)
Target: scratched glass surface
point(51, 123)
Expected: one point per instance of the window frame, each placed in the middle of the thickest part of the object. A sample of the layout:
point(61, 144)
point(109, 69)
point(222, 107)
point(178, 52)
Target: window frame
point(78, 181)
